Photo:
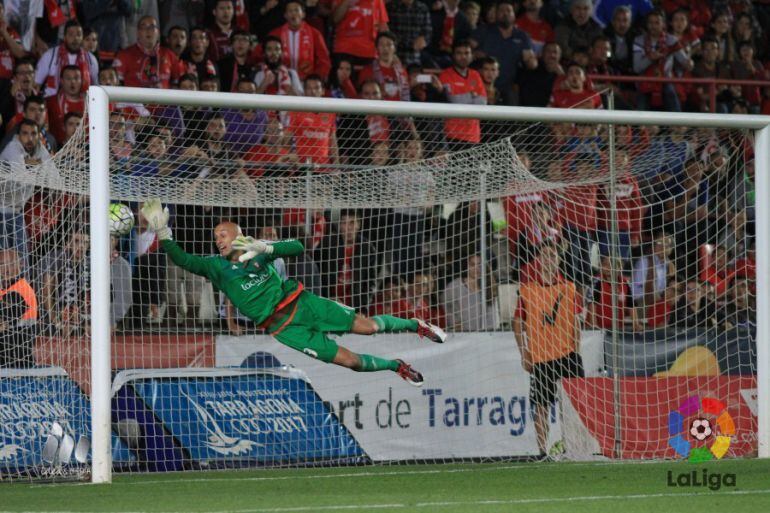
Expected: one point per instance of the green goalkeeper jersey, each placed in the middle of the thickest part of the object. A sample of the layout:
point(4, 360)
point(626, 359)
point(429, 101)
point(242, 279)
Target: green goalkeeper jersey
point(254, 287)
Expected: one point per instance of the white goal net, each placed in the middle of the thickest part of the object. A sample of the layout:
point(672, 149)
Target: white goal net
point(597, 284)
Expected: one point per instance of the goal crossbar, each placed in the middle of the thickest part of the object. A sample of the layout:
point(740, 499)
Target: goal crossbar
point(99, 99)
point(389, 108)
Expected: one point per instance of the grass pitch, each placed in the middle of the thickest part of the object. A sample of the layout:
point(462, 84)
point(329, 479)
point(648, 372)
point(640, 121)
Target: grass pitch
point(531, 487)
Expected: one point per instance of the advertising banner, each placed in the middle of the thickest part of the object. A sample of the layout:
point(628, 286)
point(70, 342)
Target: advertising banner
point(40, 407)
point(243, 416)
point(142, 351)
point(661, 417)
point(474, 403)
point(733, 351)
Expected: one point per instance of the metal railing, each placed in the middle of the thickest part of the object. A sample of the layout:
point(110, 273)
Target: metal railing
point(711, 83)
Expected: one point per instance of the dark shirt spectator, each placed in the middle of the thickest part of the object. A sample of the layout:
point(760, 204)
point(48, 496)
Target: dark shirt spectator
point(410, 20)
point(578, 29)
point(235, 67)
point(746, 67)
point(535, 85)
point(365, 139)
point(266, 16)
point(221, 29)
point(621, 40)
point(64, 285)
point(348, 263)
point(449, 24)
point(244, 127)
point(605, 9)
point(693, 310)
point(108, 18)
point(195, 59)
point(708, 66)
point(740, 311)
point(303, 267)
point(510, 46)
point(720, 29)
point(341, 82)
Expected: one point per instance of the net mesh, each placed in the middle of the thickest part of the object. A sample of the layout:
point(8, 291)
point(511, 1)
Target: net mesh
point(593, 311)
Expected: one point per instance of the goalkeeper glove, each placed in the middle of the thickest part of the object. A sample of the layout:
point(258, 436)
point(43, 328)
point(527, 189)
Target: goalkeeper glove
point(251, 246)
point(157, 218)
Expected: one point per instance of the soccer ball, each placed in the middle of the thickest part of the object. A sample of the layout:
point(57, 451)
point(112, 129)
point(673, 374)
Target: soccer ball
point(121, 219)
point(700, 429)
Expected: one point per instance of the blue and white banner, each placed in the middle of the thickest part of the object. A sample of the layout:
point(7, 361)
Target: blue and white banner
point(242, 416)
point(39, 406)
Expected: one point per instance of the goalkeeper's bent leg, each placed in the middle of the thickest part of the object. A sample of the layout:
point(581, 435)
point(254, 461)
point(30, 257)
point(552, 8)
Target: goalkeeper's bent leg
point(369, 363)
point(390, 323)
point(363, 362)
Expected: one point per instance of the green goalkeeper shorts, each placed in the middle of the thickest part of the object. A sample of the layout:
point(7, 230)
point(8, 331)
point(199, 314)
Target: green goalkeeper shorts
point(313, 317)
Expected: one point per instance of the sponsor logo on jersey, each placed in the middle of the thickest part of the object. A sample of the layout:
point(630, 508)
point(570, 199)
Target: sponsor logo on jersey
point(255, 281)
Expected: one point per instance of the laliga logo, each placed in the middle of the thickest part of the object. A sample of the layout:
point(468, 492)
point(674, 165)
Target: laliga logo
point(700, 429)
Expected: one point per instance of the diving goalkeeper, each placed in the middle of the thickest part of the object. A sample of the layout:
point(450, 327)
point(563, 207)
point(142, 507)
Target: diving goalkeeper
point(244, 272)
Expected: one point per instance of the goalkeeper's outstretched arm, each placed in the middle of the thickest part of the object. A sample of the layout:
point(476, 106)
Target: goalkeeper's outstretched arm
point(157, 221)
point(287, 248)
point(252, 247)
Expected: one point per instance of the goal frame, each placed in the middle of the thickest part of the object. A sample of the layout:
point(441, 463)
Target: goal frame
point(99, 98)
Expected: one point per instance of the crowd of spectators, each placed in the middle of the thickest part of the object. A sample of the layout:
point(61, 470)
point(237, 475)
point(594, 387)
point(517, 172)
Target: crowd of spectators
point(693, 192)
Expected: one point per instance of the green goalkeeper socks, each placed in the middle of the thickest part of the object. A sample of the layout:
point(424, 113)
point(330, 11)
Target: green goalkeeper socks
point(390, 323)
point(371, 363)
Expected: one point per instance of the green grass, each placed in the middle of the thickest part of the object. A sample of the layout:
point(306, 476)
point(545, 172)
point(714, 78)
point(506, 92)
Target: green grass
point(532, 487)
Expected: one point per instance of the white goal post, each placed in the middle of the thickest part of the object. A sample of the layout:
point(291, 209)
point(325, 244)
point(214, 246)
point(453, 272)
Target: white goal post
point(100, 98)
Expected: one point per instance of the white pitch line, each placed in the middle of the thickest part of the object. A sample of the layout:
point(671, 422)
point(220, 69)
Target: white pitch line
point(285, 478)
point(521, 466)
point(446, 504)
